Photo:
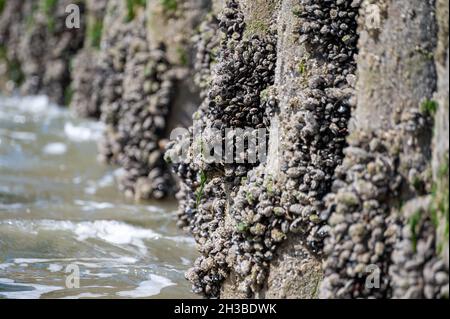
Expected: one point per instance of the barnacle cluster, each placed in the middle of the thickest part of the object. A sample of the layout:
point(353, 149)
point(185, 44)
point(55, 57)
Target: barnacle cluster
point(135, 107)
point(419, 269)
point(362, 232)
point(245, 68)
point(87, 76)
point(86, 85)
point(358, 200)
point(11, 26)
point(373, 232)
point(111, 64)
point(316, 133)
point(206, 43)
point(382, 241)
point(264, 212)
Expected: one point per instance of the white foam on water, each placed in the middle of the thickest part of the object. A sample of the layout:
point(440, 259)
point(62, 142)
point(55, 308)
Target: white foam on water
point(98, 274)
point(90, 206)
point(35, 105)
point(116, 233)
point(31, 260)
point(83, 132)
point(35, 291)
point(85, 295)
point(23, 226)
point(182, 240)
point(119, 260)
point(119, 173)
point(19, 119)
point(23, 136)
point(148, 288)
point(55, 149)
point(185, 261)
point(110, 231)
point(154, 209)
point(104, 182)
point(55, 268)
point(5, 266)
point(19, 110)
point(12, 206)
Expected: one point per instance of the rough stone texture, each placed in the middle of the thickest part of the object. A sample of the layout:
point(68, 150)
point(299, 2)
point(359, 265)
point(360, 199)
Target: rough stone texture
point(381, 218)
point(402, 47)
point(441, 132)
point(294, 274)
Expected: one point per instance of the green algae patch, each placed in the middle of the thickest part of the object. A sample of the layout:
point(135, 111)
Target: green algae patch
point(183, 56)
point(13, 67)
point(48, 8)
point(2, 5)
point(256, 27)
point(201, 189)
point(414, 224)
point(68, 95)
point(95, 31)
point(302, 68)
point(169, 5)
point(132, 7)
point(429, 107)
point(242, 227)
point(258, 15)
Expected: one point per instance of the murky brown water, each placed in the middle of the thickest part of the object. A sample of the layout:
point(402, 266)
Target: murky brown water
point(60, 210)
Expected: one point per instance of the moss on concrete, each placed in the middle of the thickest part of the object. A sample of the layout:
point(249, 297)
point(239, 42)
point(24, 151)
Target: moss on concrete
point(259, 16)
point(48, 8)
point(95, 30)
point(414, 224)
point(183, 56)
point(429, 107)
point(169, 5)
point(2, 5)
point(201, 189)
point(302, 67)
point(13, 67)
point(132, 7)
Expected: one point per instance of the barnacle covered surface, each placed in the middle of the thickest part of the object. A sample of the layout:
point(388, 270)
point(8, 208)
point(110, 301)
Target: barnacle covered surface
point(354, 177)
point(87, 76)
point(341, 197)
point(382, 219)
point(315, 135)
point(136, 102)
point(245, 67)
point(140, 71)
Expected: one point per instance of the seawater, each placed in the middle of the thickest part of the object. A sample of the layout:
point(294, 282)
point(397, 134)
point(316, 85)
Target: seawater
point(62, 215)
